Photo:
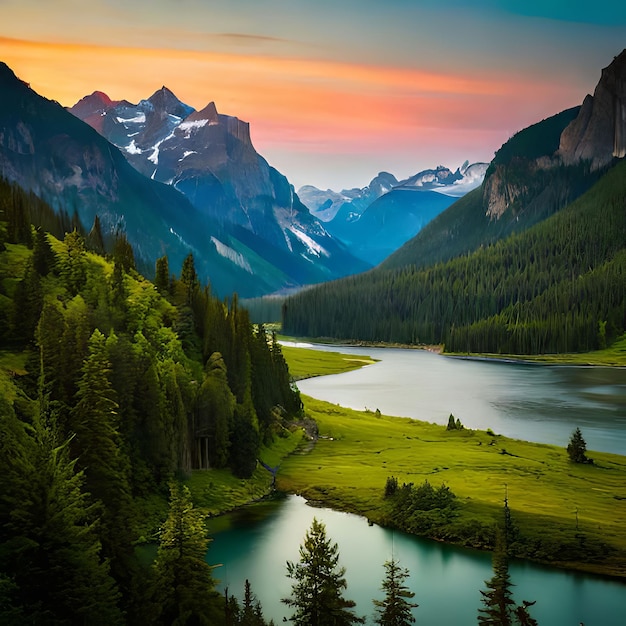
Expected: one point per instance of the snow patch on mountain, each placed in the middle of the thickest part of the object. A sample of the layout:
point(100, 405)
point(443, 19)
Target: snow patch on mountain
point(186, 153)
point(132, 148)
point(154, 157)
point(232, 255)
point(312, 245)
point(139, 118)
point(188, 127)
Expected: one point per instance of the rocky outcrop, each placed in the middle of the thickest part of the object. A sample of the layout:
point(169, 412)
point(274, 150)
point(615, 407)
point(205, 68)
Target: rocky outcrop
point(499, 194)
point(598, 134)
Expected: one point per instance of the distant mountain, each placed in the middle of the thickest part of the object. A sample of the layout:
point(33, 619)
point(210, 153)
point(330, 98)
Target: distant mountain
point(210, 159)
point(376, 220)
point(465, 282)
point(352, 202)
point(524, 184)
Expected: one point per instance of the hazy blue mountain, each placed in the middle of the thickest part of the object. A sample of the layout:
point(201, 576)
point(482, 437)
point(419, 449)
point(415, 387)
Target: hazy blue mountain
point(376, 220)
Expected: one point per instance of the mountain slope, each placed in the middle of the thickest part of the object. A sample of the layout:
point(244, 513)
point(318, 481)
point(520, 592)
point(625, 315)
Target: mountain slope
point(209, 158)
point(525, 183)
point(46, 150)
point(376, 220)
point(389, 222)
point(558, 287)
point(513, 267)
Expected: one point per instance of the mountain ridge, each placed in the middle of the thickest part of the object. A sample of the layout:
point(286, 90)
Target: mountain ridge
point(209, 158)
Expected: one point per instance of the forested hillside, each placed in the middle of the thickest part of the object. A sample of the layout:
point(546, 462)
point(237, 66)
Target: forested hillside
point(110, 386)
point(558, 287)
point(523, 186)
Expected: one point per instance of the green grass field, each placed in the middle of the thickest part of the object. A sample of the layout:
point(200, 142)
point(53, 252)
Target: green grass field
point(304, 363)
point(574, 512)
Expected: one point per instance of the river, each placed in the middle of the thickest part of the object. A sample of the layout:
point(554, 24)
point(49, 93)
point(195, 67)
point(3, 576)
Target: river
point(446, 580)
point(534, 402)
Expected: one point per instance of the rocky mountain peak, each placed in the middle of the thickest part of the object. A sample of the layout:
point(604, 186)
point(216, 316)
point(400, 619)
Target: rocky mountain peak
point(598, 134)
point(165, 101)
point(208, 113)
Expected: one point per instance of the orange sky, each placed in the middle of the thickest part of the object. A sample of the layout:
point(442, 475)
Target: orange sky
point(333, 96)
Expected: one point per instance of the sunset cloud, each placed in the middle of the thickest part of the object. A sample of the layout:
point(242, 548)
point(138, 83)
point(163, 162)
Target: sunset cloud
point(396, 86)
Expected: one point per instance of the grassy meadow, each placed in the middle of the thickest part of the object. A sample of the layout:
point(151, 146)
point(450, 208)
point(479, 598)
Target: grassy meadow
point(569, 514)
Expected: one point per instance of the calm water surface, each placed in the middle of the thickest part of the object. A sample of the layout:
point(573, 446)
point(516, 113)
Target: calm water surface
point(446, 579)
point(542, 403)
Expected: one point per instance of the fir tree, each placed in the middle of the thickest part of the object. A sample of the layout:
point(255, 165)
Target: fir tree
point(47, 531)
point(316, 593)
point(498, 598)
point(95, 240)
point(396, 608)
point(251, 613)
point(98, 448)
point(162, 275)
point(183, 590)
point(44, 259)
point(577, 448)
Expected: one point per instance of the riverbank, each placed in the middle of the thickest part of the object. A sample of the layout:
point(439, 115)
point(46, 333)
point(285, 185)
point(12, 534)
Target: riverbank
point(568, 515)
point(613, 356)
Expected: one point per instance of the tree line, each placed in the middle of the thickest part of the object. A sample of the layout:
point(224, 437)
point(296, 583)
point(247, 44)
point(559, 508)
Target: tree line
point(120, 385)
point(557, 287)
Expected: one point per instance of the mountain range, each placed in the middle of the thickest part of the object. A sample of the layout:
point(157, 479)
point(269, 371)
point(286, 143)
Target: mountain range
point(532, 261)
point(377, 219)
point(183, 182)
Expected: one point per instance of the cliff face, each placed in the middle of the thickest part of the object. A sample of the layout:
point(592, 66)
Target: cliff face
point(598, 134)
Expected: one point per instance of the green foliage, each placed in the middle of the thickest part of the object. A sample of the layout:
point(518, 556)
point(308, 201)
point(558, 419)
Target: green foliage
point(454, 424)
point(497, 599)
point(577, 448)
point(131, 401)
point(498, 605)
point(162, 275)
point(537, 140)
point(396, 608)
point(318, 583)
point(542, 291)
point(391, 486)
point(183, 587)
point(420, 509)
point(49, 544)
point(251, 612)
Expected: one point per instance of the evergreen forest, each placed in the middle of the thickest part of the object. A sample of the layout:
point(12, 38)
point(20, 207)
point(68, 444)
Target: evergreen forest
point(559, 286)
point(113, 390)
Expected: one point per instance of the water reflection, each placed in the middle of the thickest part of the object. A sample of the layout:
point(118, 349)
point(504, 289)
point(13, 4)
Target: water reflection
point(446, 580)
point(526, 401)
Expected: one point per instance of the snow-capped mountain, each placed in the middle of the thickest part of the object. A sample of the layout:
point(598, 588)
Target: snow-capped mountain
point(377, 219)
point(209, 158)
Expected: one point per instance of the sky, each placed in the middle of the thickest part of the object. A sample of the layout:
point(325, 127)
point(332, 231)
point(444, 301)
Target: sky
point(335, 90)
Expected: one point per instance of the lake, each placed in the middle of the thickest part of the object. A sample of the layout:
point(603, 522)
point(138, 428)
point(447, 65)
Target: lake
point(542, 403)
point(446, 579)
point(534, 402)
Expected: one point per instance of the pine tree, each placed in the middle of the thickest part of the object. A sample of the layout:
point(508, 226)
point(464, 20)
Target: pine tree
point(50, 549)
point(44, 259)
point(498, 598)
point(95, 240)
point(183, 590)
point(162, 275)
point(316, 593)
point(577, 448)
point(98, 448)
point(251, 613)
point(73, 269)
point(395, 609)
